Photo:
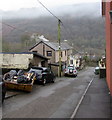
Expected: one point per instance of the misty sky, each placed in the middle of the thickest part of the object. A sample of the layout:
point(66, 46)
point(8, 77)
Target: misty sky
point(17, 4)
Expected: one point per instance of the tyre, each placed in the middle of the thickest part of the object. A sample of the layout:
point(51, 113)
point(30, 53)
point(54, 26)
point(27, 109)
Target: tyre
point(3, 97)
point(75, 75)
point(65, 75)
point(44, 81)
point(53, 81)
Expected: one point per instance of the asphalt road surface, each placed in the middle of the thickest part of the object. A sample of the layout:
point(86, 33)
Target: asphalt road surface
point(55, 100)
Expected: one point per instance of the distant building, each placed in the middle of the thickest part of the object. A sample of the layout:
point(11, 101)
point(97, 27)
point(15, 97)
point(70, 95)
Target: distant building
point(38, 38)
point(51, 51)
point(74, 60)
point(102, 63)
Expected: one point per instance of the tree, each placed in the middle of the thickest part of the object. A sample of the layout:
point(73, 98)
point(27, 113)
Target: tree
point(25, 40)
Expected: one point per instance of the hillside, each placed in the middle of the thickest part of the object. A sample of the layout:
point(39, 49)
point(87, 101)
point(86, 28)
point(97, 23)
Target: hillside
point(84, 27)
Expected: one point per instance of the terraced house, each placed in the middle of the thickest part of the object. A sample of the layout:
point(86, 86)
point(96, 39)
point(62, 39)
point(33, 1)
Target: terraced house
point(107, 12)
point(51, 51)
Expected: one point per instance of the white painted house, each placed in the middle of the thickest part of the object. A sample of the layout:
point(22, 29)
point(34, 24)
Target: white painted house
point(74, 60)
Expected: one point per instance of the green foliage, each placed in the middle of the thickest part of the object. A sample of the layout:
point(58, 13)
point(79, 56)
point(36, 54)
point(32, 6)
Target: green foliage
point(5, 46)
point(11, 47)
point(25, 40)
point(85, 31)
point(86, 58)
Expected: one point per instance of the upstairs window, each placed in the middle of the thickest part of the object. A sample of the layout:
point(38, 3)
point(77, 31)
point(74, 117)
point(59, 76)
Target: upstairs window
point(71, 61)
point(61, 54)
point(103, 8)
point(65, 52)
point(49, 53)
point(43, 50)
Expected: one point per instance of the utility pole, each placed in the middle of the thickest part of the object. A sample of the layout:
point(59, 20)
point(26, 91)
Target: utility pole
point(59, 36)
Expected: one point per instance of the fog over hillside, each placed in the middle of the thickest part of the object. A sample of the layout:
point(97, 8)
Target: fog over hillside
point(84, 25)
point(77, 9)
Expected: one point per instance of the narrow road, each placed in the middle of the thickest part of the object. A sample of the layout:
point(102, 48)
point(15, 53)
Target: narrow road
point(55, 100)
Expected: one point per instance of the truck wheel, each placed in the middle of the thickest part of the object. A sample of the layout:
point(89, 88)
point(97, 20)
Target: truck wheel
point(44, 81)
point(53, 81)
point(3, 97)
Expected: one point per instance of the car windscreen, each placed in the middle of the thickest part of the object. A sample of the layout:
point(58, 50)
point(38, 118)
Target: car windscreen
point(36, 71)
point(70, 68)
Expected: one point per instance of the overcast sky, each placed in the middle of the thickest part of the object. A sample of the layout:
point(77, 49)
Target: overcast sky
point(17, 4)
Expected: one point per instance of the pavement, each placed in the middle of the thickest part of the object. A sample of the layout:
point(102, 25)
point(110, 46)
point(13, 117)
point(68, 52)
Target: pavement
point(97, 101)
point(10, 94)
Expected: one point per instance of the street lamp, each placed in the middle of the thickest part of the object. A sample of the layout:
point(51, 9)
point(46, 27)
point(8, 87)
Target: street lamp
point(111, 16)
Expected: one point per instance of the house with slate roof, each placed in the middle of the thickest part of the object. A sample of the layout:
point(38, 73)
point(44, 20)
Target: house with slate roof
point(51, 51)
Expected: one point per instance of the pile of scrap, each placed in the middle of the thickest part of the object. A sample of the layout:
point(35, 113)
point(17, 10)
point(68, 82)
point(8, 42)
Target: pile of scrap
point(19, 80)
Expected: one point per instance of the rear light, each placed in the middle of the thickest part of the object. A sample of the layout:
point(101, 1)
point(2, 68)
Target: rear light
point(65, 70)
point(74, 70)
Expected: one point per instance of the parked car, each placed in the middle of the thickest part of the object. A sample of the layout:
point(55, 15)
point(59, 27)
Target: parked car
point(43, 75)
point(96, 70)
point(2, 90)
point(70, 71)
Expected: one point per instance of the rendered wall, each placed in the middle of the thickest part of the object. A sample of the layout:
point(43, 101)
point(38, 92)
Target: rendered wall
point(15, 61)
